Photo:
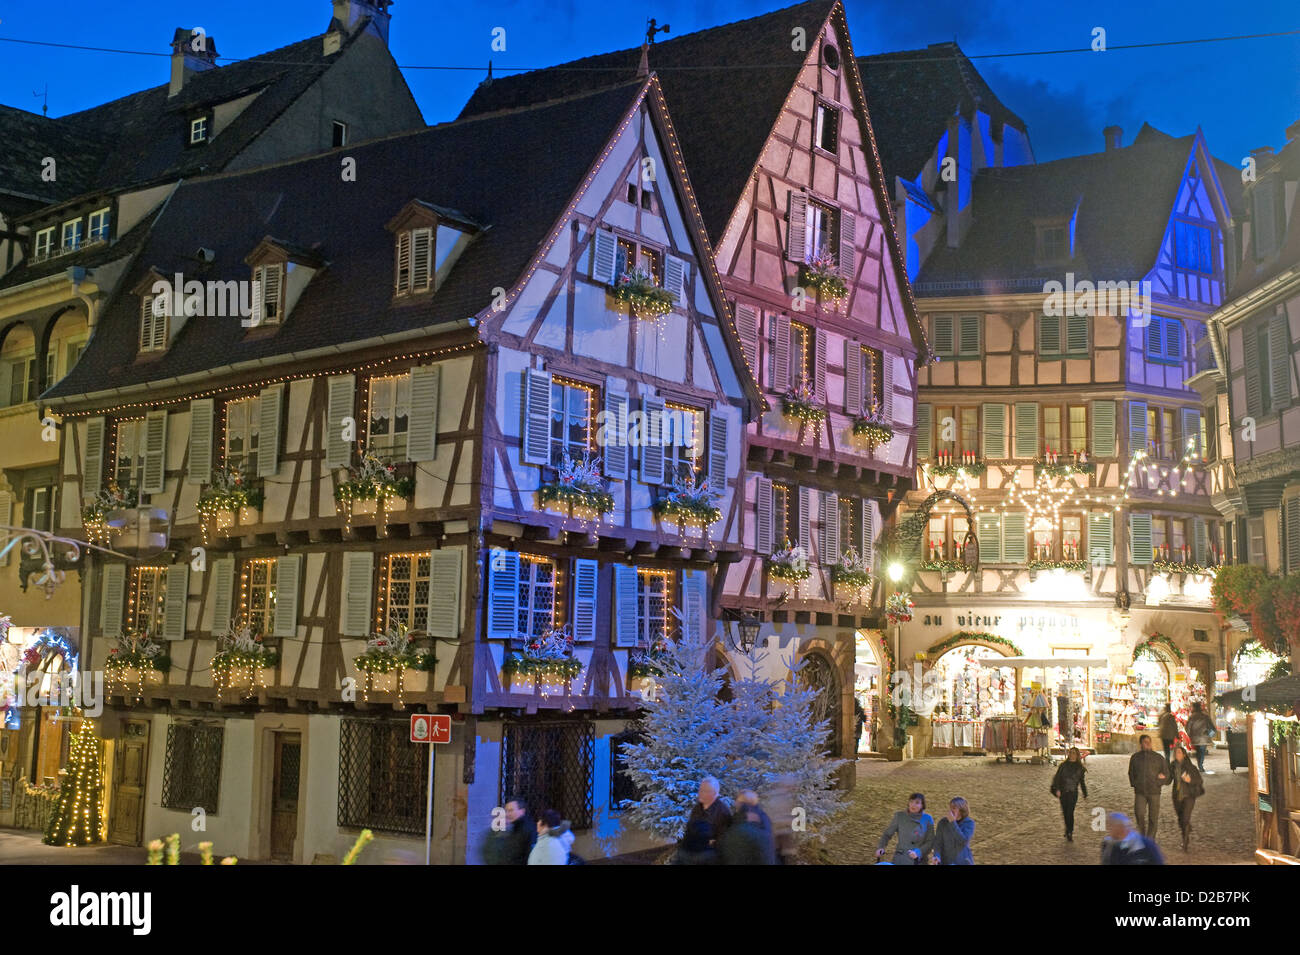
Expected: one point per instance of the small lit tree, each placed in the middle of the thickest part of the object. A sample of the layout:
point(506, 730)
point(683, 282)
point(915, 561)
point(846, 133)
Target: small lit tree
point(78, 818)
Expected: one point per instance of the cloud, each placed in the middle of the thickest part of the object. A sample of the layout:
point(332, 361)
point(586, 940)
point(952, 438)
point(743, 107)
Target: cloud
point(1062, 121)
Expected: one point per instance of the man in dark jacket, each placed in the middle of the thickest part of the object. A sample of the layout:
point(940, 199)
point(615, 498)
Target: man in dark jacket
point(511, 845)
point(711, 810)
point(1126, 846)
point(746, 841)
point(1168, 728)
point(1148, 773)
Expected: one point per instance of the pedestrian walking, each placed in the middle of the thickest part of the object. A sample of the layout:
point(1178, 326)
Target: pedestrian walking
point(1187, 786)
point(859, 721)
point(512, 845)
point(1066, 786)
point(1148, 773)
point(1124, 845)
point(748, 799)
point(748, 840)
point(914, 828)
point(554, 840)
point(953, 834)
point(711, 810)
point(1201, 730)
point(1168, 729)
point(697, 845)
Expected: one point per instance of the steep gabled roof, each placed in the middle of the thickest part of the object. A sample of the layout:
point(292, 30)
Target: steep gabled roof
point(27, 138)
point(1253, 273)
point(1124, 197)
point(513, 172)
point(911, 95)
point(725, 87)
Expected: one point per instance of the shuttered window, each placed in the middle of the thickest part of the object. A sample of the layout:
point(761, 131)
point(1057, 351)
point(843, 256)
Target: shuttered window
point(148, 602)
point(111, 599)
point(995, 432)
point(1063, 336)
point(536, 586)
point(924, 433)
point(1164, 340)
point(155, 452)
point(573, 408)
point(654, 597)
point(199, 469)
point(829, 544)
point(1014, 537)
point(989, 532)
point(175, 611)
point(270, 417)
point(341, 394)
point(243, 430)
point(1027, 430)
point(627, 593)
point(747, 329)
point(1137, 426)
point(763, 517)
point(718, 453)
point(153, 323)
point(970, 337)
point(358, 587)
point(1279, 367)
point(223, 589)
point(406, 589)
point(1292, 530)
point(957, 336)
point(1103, 429)
point(1140, 541)
point(258, 595)
point(414, 261)
point(1101, 538)
point(268, 303)
point(389, 415)
point(586, 578)
point(425, 398)
point(617, 450)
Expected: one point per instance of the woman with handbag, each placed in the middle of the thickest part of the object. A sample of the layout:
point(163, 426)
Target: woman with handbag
point(1066, 785)
point(1187, 786)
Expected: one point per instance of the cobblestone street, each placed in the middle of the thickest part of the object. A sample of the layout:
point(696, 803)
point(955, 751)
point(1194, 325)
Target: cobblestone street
point(1017, 821)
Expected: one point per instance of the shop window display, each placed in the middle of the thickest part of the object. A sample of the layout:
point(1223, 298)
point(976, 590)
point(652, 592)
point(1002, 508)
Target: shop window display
point(1150, 688)
point(969, 693)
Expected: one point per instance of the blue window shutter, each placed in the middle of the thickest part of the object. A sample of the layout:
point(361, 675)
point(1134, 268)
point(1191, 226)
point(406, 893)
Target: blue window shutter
point(625, 605)
point(503, 594)
point(586, 573)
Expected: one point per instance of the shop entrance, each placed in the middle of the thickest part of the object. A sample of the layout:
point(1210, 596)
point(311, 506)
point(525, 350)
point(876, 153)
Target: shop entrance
point(1149, 686)
point(970, 691)
point(868, 680)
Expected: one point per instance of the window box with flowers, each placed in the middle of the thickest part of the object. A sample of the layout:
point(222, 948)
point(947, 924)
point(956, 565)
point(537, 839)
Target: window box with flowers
point(852, 571)
point(374, 479)
point(789, 565)
point(548, 660)
point(643, 669)
point(578, 487)
point(947, 464)
point(135, 659)
point(943, 565)
point(225, 501)
point(1055, 464)
point(391, 654)
point(688, 503)
point(872, 427)
point(644, 297)
point(800, 404)
point(241, 661)
point(822, 275)
point(1068, 566)
point(94, 516)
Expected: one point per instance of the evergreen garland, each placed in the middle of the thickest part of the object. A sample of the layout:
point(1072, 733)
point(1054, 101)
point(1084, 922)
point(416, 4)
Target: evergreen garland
point(1157, 639)
point(974, 636)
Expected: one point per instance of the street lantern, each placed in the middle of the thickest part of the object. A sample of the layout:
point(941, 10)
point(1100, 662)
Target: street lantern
point(747, 627)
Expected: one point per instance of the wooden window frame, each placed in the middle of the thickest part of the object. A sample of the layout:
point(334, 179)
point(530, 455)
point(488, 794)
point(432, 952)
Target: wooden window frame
point(387, 443)
point(104, 228)
point(338, 141)
point(136, 469)
point(783, 503)
point(40, 254)
point(821, 110)
point(1185, 225)
point(413, 605)
point(631, 249)
point(248, 587)
point(645, 629)
point(79, 234)
point(138, 618)
point(677, 454)
point(803, 358)
point(199, 124)
point(594, 404)
point(529, 579)
point(832, 216)
point(253, 431)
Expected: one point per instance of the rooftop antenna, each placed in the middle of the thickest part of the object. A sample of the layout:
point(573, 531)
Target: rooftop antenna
point(652, 28)
point(487, 81)
point(45, 94)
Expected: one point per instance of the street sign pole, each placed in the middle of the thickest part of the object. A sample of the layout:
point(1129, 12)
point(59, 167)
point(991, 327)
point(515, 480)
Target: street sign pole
point(428, 811)
point(429, 728)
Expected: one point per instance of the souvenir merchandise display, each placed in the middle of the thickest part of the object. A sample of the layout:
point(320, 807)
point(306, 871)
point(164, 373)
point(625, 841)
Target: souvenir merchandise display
point(1151, 692)
point(1123, 709)
point(969, 694)
point(1101, 710)
point(1039, 720)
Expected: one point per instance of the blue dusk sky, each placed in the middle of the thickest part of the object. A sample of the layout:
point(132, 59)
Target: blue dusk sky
point(1242, 93)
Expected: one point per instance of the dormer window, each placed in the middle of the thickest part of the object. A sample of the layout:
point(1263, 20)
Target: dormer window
point(153, 323)
point(1193, 247)
point(198, 130)
point(414, 261)
point(73, 232)
point(339, 134)
point(99, 225)
point(44, 244)
point(268, 295)
point(1053, 243)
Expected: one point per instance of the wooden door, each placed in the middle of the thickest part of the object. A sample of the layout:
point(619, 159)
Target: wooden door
point(284, 795)
point(130, 778)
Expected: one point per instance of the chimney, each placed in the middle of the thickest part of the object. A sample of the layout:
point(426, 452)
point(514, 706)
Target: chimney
point(350, 15)
point(193, 51)
point(1113, 134)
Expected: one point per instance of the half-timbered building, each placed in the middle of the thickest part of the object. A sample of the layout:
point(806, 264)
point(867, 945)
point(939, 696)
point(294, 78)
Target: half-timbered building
point(793, 198)
point(445, 314)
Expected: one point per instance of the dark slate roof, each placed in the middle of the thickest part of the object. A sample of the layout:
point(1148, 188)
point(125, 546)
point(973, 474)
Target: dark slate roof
point(723, 114)
point(911, 94)
point(515, 172)
point(1125, 197)
point(1252, 273)
point(27, 138)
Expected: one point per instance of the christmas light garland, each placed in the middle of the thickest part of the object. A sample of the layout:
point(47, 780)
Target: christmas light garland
point(393, 651)
point(94, 516)
point(241, 661)
point(219, 503)
point(128, 663)
point(646, 298)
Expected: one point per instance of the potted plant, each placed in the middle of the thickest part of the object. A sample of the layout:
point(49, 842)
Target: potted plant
point(135, 656)
point(548, 659)
point(644, 296)
point(872, 427)
point(94, 516)
point(904, 719)
point(643, 668)
point(374, 479)
point(392, 652)
point(241, 661)
point(800, 404)
point(221, 502)
point(789, 564)
point(579, 487)
point(688, 503)
point(852, 571)
point(822, 275)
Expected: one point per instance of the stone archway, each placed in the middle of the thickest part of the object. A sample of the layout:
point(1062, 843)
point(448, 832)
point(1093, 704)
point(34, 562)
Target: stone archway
point(818, 672)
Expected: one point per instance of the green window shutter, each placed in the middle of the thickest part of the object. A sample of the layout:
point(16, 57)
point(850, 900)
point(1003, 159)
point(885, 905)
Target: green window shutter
point(1015, 544)
point(1292, 544)
point(969, 342)
point(1200, 541)
point(989, 531)
point(1026, 430)
point(924, 433)
point(1191, 422)
point(1101, 538)
point(1139, 529)
point(1103, 429)
point(995, 432)
point(1049, 335)
point(1076, 335)
point(1137, 426)
point(941, 331)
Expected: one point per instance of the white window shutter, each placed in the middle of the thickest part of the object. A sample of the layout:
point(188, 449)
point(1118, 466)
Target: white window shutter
point(503, 594)
point(176, 602)
point(1027, 430)
point(1015, 542)
point(652, 449)
point(1137, 426)
point(819, 366)
point(798, 224)
point(848, 253)
point(828, 543)
point(586, 575)
point(763, 518)
point(92, 470)
point(625, 605)
point(695, 602)
point(445, 568)
point(805, 521)
point(604, 256)
point(675, 277)
point(268, 441)
point(402, 280)
point(422, 428)
point(924, 433)
point(1101, 538)
point(1139, 543)
point(868, 531)
point(1103, 429)
point(747, 329)
point(341, 398)
point(887, 386)
point(111, 599)
point(718, 452)
point(617, 452)
point(155, 452)
point(200, 461)
point(421, 259)
point(146, 322)
point(994, 431)
point(537, 417)
point(288, 583)
point(853, 400)
point(223, 592)
point(781, 354)
point(358, 588)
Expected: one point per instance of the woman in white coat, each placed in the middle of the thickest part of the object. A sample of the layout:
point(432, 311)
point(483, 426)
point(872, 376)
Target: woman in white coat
point(554, 840)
